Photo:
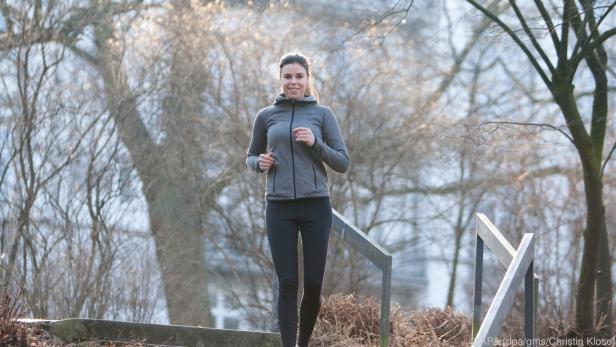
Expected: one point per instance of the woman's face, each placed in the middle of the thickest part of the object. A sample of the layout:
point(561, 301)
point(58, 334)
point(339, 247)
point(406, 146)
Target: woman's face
point(294, 80)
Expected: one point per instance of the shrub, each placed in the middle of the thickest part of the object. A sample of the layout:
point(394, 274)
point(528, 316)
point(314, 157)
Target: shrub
point(11, 332)
point(345, 321)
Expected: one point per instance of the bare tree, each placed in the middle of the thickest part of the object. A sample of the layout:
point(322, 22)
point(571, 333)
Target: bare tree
point(171, 178)
point(557, 67)
point(59, 182)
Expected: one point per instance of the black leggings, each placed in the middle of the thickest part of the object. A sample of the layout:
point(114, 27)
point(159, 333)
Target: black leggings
point(313, 218)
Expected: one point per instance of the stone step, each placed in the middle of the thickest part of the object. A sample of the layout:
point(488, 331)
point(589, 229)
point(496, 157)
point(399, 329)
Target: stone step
point(114, 344)
point(76, 331)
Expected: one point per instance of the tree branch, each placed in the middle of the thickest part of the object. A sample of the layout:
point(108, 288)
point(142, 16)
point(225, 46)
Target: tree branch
point(388, 13)
point(604, 15)
point(452, 46)
point(530, 34)
point(530, 94)
point(70, 29)
point(548, 21)
point(609, 156)
point(458, 60)
point(515, 38)
point(594, 45)
point(6, 13)
point(84, 55)
point(452, 188)
point(588, 38)
point(596, 63)
point(543, 125)
point(564, 33)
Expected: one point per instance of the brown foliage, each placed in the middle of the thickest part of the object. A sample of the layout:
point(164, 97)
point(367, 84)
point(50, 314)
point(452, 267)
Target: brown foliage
point(11, 333)
point(345, 321)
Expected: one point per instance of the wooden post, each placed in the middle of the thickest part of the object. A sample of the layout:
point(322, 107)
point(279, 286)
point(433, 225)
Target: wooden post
point(477, 293)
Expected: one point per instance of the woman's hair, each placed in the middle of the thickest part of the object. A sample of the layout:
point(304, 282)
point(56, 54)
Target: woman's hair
point(297, 58)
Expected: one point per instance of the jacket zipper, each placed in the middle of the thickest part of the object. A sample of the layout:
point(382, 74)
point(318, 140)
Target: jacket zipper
point(274, 182)
point(291, 140)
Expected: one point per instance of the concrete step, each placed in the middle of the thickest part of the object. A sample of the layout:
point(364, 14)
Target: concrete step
point(79, 331)
point(113, 343)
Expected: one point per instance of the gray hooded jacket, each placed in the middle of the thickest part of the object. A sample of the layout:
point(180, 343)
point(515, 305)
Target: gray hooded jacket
point(298, 171)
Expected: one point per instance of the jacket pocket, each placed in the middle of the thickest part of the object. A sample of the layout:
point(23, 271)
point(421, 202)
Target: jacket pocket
point(271, 180)
point(314, 172)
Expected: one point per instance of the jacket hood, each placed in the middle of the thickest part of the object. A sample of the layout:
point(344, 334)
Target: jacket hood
point(281, 99)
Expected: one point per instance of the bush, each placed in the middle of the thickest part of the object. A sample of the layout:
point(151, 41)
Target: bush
point(11, 332)
point(344, 321)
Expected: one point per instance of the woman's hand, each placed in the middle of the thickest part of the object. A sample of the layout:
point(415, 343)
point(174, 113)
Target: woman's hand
point(304, 135)
point(266, 161)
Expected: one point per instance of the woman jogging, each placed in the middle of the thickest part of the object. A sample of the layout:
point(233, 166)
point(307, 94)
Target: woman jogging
point(291, 141)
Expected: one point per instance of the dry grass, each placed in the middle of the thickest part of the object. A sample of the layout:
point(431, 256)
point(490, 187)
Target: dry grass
point(345, 321)
point(16, 334)
point(11, 333)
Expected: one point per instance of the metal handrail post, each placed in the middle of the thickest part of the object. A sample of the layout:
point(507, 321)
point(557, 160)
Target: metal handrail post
point(520, 269)
point(529, 307)
point(477, 291)
point(385, 304)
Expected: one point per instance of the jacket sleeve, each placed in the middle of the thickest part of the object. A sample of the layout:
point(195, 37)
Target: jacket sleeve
point(333, 152)
point(258, 144)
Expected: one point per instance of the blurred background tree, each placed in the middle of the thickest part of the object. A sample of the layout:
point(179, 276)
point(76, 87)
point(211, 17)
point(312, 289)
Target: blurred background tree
point(124, 127)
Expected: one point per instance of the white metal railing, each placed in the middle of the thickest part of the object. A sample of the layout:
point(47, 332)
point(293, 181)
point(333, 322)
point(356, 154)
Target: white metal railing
point(519, 264)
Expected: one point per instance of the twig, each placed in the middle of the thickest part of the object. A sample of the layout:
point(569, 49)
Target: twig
point(609, 156)
point(531, 124)
point(389, 13)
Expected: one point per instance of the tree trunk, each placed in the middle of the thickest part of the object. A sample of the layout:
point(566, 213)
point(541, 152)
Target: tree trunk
point(596, 61)
point(454, 272)
point(588, 145)
point(604, 285)
point(595, 223)
point(595, 211)
point(171, 194)
point(175, 222)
